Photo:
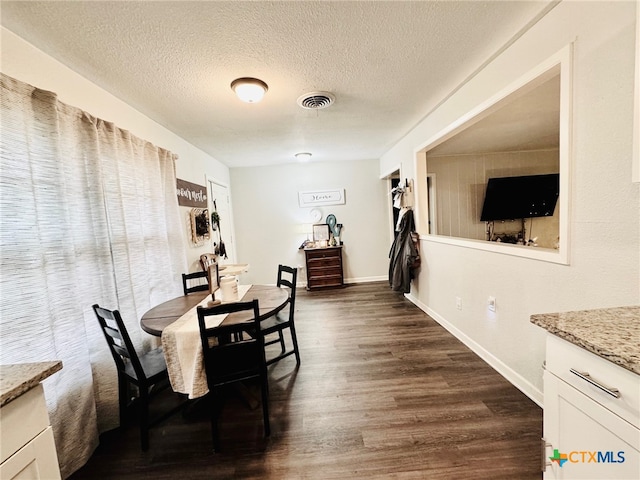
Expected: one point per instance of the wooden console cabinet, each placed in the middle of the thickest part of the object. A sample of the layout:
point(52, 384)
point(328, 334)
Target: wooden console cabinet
point(324, 267)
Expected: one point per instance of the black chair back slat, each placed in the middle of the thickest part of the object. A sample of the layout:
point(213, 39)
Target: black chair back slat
point(123, 352)
point(187, 278)
point(113, 333)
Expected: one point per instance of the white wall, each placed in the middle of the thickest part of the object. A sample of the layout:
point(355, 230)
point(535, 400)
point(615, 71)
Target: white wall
point(604, 268)
point(23, 61)
point(268, 218)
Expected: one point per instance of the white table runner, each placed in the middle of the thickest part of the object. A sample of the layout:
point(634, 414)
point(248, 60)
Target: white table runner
point(183, 349)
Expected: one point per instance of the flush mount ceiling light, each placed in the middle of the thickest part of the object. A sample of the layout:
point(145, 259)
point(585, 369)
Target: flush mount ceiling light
point(250, 90)
point(303, 156)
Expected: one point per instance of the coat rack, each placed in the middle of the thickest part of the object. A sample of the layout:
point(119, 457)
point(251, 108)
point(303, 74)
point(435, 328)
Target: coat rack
point(403, 194)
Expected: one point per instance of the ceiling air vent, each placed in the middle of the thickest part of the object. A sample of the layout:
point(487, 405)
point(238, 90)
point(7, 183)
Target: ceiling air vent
point(316, 100)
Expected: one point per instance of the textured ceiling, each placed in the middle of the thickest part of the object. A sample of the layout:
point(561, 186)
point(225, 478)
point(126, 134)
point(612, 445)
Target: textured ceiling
point(387, 63)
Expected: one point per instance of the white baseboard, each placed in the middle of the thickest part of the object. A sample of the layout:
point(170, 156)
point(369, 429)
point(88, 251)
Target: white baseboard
point(499, 366)
point(366, 279)
point(353, 280)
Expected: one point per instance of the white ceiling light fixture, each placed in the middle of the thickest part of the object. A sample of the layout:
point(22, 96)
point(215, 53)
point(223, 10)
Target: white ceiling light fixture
point(250, 90)
point(303, 156)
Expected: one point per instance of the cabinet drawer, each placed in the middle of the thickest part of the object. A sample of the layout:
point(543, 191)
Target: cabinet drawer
point(22, 419)
point(575, 424)
point(563, 357)
point(323, 253)
point(36, 460)
point(325, 281)
point(324, 262)
point(324, 271)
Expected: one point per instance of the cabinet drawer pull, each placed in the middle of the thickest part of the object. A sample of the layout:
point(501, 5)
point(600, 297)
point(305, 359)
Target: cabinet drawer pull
point(614, 392)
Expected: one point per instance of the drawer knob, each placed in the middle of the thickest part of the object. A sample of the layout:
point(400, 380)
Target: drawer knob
point(614, 392)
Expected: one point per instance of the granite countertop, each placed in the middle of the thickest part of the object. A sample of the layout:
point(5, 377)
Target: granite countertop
point(19, 378)
point(611, 333)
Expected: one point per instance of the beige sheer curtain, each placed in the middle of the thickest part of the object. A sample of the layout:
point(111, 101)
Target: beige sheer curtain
point(88, 214)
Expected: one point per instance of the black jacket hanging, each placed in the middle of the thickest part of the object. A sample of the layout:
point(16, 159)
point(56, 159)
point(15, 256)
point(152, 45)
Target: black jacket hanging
point(404, 255)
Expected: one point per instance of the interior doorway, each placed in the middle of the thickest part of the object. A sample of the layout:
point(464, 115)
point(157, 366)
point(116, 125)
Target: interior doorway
point(395, 211)
point(222, 239)
point(393, 180)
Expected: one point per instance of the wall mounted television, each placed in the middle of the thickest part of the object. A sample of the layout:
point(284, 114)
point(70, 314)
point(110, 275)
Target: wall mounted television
point(510, 198)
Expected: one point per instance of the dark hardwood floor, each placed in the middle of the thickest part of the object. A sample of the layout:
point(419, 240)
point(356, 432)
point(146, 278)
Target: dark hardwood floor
point(382, 392)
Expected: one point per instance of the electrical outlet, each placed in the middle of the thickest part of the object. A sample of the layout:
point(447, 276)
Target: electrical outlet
point(491, 303)
point(458, 303)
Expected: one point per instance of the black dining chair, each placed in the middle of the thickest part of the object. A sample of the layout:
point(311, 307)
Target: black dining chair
point(191, 284)
point(228, 360)
point(147, 372)
point(283, 320)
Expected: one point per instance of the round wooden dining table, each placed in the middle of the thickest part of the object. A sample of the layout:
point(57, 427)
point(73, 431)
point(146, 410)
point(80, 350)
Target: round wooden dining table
point(271, 300)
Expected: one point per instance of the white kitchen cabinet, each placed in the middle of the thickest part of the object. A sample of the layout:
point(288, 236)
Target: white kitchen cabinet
point(27, 447)
point(37, 460)
point(597, 433)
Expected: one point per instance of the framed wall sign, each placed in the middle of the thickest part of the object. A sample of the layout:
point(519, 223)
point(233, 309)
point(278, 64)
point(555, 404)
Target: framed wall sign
point(191, 194)
point(321, 197)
